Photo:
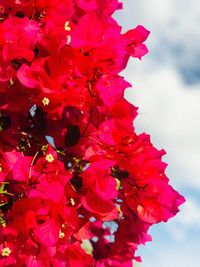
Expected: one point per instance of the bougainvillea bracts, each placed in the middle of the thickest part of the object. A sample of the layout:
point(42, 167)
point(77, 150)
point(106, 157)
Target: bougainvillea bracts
point(78, 185)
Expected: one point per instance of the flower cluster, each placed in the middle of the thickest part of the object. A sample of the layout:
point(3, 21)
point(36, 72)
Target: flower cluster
point(78, 186)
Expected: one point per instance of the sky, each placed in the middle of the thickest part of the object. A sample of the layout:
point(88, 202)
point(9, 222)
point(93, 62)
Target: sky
point(166, 88)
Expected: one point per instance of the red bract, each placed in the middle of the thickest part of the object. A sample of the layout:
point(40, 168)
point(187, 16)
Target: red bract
point(19, 36)
point(135, 39)
point(103, 7)
point(78, 186)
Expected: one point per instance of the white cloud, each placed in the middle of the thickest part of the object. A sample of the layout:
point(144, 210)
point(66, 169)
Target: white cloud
point(170, 17)
point(174, 37)
point(190, 214)
point(170, 112)
point(177, 242)
point(173, 255)
point(180, 227)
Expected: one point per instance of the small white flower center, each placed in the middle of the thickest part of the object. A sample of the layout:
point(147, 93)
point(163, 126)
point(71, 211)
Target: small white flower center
point(68, 39)
point(61, 234)
point(45, 101)
point(49, 158)
point(67, 26)
point(72, 201)
point(5, 252)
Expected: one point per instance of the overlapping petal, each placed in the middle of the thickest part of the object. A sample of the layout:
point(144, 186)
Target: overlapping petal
point(78, 185)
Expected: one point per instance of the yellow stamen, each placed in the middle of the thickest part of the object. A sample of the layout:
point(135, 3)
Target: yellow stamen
point(120, 212)
point(11, 82)
point(45, 101)
point(118, 185)
point(5, 252)
point(72, 201)
point(49, 158)
point(68, 39)
point(61, 234)
point(67, 26)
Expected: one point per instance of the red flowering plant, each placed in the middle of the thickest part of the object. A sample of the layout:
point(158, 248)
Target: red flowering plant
point(78, 185)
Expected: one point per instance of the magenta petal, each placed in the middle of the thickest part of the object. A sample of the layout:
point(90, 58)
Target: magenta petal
point(139, 51)
point(87, 5)
point(47, 233)
point(98, 205)
point(25, 77)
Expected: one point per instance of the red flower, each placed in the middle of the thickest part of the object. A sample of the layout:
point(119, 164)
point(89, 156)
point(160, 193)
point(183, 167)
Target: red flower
point(135, 39)
point(78, 186)
point(103, 7)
